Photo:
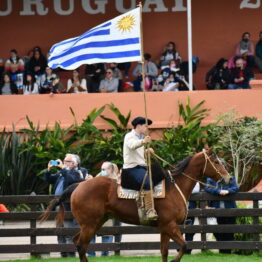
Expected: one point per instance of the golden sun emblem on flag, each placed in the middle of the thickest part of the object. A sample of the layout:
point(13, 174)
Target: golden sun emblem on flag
point(126, 23)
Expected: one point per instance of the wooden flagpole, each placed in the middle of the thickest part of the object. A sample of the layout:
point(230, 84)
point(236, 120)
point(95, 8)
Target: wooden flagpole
point(145, 105)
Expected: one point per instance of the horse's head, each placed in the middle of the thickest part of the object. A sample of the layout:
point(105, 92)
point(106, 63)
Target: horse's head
point(214, 168)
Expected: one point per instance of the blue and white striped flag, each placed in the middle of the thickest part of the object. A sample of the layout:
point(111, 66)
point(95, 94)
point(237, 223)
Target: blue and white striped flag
point(117, 40)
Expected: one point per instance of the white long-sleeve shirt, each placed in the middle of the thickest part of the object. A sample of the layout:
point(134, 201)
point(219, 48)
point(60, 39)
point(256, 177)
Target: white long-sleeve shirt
point(133, 149)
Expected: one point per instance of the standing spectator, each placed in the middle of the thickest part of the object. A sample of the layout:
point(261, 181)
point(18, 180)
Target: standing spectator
point(258, 58)
point(151, 72)
point(76, 84)
point(245, 49)
point(1, 66)
point(30, 86)
point(109, 84)
point(125, 67)
point(14, 64)
point(37, 63)
point(219, 76)
point(223, 190)
point(170, 53)
point(57, 86)
point(94, 75)
point(240, 76)
point(45, 81)
point(190, 220)
point(70, 173)
point(7, 86)
point(110, 170)
point(15, 67)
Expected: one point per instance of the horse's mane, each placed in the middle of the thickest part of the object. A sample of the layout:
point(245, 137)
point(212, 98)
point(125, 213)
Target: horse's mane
point(181, 166)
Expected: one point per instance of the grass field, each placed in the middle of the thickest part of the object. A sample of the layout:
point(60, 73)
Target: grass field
point(204, 257)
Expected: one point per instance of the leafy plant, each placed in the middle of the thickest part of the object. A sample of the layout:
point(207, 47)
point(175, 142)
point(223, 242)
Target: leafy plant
point(240, 140)
point(187, 137)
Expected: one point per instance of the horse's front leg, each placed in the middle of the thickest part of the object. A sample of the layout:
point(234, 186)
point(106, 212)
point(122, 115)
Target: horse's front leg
point(173, 231)
point(164, 246)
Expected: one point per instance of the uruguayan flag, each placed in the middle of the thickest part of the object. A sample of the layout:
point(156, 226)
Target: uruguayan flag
point(117, 40)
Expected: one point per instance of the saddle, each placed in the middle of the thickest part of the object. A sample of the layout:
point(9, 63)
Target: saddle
point(159, 191)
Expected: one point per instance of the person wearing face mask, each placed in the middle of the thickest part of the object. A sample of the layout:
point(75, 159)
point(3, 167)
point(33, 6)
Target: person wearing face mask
point(70, 172)
point(110, 170)
point(245, 49)
point(157, 84)
point(171, 84)
point(240, 76)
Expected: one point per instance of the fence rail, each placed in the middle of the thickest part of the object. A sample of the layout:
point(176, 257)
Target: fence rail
point(33, 230)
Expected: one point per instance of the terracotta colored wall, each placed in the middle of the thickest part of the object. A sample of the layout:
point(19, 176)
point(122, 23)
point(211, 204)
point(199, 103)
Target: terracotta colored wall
point(217, 27)
point(162, 107)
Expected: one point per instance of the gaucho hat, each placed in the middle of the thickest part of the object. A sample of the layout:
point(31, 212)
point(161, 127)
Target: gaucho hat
point(140, 121)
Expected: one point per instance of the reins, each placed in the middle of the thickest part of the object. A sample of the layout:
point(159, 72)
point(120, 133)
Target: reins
point(184, 174)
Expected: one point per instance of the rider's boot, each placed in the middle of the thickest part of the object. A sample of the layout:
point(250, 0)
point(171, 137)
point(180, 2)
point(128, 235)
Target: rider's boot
point(151, 213)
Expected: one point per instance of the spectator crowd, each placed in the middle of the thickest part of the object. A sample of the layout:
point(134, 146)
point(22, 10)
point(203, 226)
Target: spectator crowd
point(31, 75)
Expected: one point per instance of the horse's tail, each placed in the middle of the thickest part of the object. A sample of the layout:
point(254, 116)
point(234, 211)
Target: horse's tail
point(58, 201)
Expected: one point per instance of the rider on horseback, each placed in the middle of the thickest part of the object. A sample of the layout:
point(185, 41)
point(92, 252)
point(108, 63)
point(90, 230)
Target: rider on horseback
point(135, 167)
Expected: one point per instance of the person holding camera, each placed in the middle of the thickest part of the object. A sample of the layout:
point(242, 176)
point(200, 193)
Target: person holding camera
point(70, 173)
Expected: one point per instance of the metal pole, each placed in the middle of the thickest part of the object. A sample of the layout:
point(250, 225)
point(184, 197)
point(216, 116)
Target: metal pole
point(189, 44)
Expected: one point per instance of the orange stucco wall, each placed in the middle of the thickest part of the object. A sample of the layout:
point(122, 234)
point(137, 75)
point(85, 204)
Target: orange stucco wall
point(217, 26)
point(162, 107)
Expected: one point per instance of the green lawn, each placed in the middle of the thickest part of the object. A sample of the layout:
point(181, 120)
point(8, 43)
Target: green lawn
point(187, 258)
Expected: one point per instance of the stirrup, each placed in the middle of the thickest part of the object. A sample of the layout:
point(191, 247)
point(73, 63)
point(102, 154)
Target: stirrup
point(151, 214)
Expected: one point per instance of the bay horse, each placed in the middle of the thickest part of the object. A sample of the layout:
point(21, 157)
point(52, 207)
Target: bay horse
point(94, 201)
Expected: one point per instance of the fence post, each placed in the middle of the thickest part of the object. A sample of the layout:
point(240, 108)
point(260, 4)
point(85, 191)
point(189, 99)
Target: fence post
point(203, 221)
point(256, 236)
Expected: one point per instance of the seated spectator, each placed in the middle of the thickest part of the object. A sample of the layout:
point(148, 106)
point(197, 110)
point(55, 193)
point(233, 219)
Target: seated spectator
point(170, 84)
point(14, 64)
point(30, 87)
point(117, 74)
point(223, 190)
point(7, 86)
point(219, 76)
point(109, 84)
point(37, 63)
point(125, 67)
point(258, 58)
point(76, 84)
point(45, 81)
point(245, 49)
point(182, 81)
point(150, 69)
point(169, 54)
point(170, 68)
point(94, 74)
point(57, 86)
point(157, 84)
point(240, 76)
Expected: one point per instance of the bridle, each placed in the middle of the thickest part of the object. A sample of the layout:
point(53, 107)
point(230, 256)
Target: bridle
point(207, 159)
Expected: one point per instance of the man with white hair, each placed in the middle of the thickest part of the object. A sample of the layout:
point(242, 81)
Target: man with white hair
point(70, 173)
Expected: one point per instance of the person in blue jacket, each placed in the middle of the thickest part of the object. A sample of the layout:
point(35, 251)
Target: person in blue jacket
point(223, 190)
point(70, 172)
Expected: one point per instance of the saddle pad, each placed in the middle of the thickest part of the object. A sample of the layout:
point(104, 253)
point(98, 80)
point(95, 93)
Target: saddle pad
point(159, 191)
